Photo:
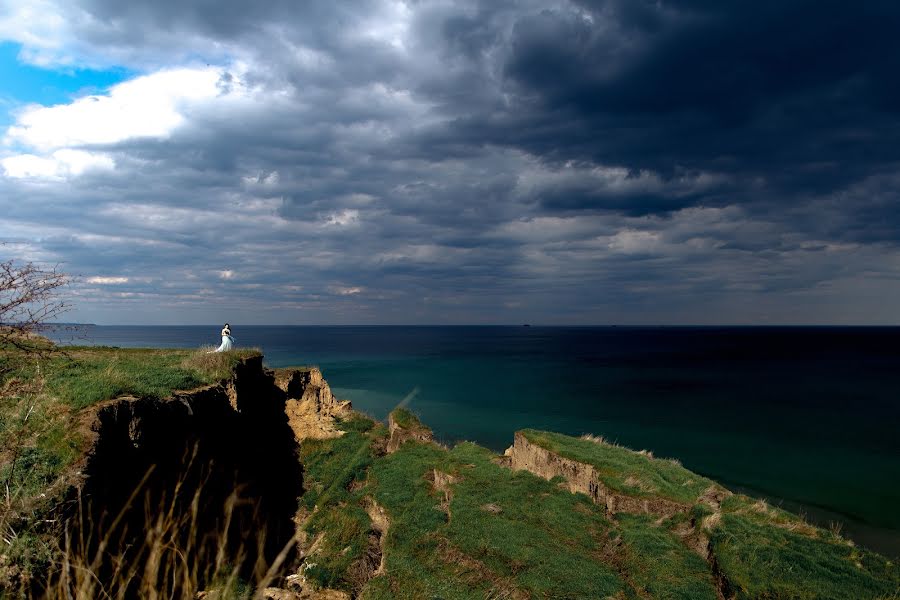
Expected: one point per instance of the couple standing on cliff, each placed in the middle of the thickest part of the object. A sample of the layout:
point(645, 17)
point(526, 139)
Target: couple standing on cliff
point(227, 340)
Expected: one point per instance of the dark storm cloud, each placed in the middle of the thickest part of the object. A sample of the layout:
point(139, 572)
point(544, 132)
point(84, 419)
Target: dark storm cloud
point(491, 161)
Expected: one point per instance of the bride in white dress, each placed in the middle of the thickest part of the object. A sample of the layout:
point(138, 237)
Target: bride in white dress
point(227, 340)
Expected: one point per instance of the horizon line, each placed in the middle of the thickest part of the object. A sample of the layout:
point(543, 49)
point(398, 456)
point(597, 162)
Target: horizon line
point(522, 325)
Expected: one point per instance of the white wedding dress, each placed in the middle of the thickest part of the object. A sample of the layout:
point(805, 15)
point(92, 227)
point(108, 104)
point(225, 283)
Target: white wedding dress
point(227, 341)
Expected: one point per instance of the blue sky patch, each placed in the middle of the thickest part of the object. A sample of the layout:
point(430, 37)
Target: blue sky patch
point(21, 83)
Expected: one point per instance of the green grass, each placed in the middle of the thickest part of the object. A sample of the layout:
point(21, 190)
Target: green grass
point(406, 419)
point(89, 375)
point(543, 541)
point(763, 552)
point(660, 565)
point(331, 467)
point(492, 533)
point(796, 565)
point(799, 561)
point(549, 542)
point(624, 470)
point(505, 534)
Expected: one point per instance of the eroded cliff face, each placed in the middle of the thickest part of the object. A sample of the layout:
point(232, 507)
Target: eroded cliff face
point(220, 461)
point(583, 478)
point(310, 407)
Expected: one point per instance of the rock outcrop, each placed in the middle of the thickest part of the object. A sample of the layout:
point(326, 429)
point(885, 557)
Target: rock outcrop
point(583, 478)
point(311, 408)
point(380, 525)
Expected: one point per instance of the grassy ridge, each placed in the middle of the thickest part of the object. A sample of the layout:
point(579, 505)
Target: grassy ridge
point(41, 396)
point(83, 376)
point(481, 541)
point(546, 541)
point(761, 551)
point(463, 526)
point(624, 470)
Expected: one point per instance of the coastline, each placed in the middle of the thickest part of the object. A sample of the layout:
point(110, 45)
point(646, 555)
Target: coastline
point(820, 406)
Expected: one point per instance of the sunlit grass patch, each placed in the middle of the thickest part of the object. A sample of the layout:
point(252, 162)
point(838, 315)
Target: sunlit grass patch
point(214, 366)
point(81, 376)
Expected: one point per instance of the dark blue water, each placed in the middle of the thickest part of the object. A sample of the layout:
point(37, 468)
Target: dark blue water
point(806, 416)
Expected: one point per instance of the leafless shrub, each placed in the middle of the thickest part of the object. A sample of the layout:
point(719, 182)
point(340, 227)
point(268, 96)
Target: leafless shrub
point(29, 298)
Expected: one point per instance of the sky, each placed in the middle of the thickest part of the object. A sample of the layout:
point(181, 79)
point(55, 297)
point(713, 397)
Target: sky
point(587, 162)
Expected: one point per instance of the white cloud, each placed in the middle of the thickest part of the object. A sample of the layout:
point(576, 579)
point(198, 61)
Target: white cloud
point(147, 106)
point(58, 165)
point(38, 25)
point(57, 33)
point(107, 280)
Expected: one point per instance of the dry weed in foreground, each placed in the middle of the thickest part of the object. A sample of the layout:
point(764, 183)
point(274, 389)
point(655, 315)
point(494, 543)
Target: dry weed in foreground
point(171, 558)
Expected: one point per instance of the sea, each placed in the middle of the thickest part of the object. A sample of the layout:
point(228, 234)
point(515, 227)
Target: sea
point(805, 417)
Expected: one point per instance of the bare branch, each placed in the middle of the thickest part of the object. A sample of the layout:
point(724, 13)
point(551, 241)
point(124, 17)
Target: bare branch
point(29, 298)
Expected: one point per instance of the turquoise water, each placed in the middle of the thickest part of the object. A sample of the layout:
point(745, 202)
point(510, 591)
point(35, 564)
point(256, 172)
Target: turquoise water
point(805, 416)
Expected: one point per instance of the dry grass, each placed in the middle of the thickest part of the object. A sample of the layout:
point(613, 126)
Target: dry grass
point(217, 365)
point(836, 527)
point(597, 439)
point(762, 507)
point(712, 521)
point(640, 484)
point(174, 558)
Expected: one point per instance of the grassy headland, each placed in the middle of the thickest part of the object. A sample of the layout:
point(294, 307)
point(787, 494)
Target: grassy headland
point(390, 514)
point(43, 396)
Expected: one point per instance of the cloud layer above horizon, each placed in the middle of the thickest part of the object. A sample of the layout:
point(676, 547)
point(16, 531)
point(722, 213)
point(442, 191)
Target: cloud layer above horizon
point(492, 161)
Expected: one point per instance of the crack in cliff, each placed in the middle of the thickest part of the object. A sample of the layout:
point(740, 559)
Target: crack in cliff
point(207, 480)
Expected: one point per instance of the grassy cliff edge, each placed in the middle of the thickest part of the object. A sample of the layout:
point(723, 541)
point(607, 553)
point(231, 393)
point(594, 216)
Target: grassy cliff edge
point(388, 513)
point(463, 524)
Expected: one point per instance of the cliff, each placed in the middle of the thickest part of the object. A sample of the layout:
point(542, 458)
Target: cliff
point(311, 408)
point(265, 484)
